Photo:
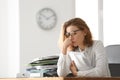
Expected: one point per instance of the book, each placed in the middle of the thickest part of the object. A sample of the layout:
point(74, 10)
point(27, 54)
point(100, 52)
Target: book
point(42, 67)
point(48, 60)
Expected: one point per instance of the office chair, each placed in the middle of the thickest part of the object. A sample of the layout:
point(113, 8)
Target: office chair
point(113, 53)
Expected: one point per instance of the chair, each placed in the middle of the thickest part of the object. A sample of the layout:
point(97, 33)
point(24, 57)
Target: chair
point(113, 53)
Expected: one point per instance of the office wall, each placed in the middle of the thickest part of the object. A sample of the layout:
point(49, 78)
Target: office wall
point(35, 42)
point(9, 48)
point(3, 39)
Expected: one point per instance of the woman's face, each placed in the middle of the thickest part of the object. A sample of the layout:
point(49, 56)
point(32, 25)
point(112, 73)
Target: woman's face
point(76, 35)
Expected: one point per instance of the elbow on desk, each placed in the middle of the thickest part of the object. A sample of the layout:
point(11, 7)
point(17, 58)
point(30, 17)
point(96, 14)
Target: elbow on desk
point(60, 74)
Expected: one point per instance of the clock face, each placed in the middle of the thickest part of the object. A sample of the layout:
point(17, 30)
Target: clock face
point(46, 18)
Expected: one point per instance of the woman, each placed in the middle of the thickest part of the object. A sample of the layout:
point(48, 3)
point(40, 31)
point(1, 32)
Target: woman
point(80, 55)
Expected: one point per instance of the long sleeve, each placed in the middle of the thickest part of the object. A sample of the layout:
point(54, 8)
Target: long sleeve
point(92, 62)
point(63, 65)
point(100, 68)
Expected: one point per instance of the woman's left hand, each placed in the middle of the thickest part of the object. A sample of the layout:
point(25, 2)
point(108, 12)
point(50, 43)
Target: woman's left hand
point(73, 68)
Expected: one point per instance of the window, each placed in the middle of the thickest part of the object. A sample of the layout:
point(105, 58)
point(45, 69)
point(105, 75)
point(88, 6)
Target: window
point(102, 16)
point(111, 22)
point(88, 11)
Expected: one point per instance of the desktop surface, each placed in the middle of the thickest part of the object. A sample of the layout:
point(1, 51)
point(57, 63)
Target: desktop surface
point(65, 78)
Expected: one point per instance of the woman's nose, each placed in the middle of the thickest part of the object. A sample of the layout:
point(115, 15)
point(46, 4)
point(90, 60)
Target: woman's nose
point(71, 37)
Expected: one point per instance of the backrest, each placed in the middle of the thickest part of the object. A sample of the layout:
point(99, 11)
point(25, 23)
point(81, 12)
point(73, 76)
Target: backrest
point(113, 53)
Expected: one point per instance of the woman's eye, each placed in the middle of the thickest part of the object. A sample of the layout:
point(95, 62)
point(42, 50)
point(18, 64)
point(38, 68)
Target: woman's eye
point(73, 33)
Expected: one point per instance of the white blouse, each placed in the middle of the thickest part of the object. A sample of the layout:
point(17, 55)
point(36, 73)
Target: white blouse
point(92, 62)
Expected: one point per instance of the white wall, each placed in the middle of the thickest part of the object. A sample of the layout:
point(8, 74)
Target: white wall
point(35, 42)
point(9, 35)
point(13, 37)
point(3, 39)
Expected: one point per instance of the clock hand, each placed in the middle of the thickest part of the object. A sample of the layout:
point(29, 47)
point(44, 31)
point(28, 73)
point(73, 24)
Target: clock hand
point(44, 16)
point(50, 17)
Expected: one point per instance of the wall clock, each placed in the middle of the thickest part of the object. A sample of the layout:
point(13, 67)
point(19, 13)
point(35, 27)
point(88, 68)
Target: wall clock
point(46, 18)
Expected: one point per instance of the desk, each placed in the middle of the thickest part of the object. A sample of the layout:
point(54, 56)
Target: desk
point(63, 78)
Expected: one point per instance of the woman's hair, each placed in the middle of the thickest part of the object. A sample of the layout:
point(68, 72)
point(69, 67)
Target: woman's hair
point(80, 24)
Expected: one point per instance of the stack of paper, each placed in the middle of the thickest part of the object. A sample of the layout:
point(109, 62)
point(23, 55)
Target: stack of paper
point(45, 66)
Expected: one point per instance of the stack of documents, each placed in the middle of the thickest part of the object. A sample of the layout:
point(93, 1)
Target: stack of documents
point(43, 67)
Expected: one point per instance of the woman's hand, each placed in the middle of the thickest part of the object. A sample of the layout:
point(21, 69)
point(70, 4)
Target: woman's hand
point(73, 68)
point(67, 43)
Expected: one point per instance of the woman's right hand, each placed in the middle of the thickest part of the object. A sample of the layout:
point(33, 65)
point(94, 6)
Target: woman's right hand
point(67, 43)
point(73, 68)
